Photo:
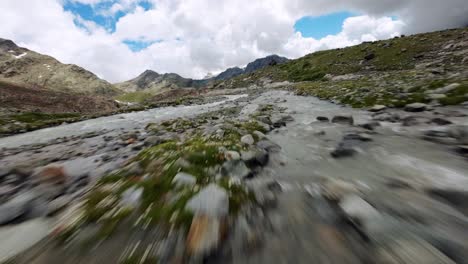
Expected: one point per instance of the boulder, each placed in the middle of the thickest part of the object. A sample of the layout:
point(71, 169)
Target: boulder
point(258, 157)
point(211, 201)
point(259, 135)
point(445, 89)
point(416, 107)
point(343, 119)
point(184, 179)
point(441, 121)
point(387, 117)
point(52, 175)
point(248, 140)
point(344, 149)
point(360, 212)
point(268, 145)
point(235, 169)
point(323, 119)
point(460, 133)
point(370, 125)
point(232, 155)
point(357, 136)
point(152, 141)
point(15, 207)
point(377, 108)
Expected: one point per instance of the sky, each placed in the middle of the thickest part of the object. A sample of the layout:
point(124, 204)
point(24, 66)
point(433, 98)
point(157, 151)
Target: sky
point(119, 39)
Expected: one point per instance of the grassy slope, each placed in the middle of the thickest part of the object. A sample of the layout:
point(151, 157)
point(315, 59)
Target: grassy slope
point(391, 77)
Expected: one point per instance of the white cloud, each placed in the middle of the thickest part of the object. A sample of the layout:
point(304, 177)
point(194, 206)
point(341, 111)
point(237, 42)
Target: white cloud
point(200, 36)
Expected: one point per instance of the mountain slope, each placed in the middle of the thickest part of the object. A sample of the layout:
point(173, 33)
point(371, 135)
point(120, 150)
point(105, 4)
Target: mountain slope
point(151, 81)
point(28, 68)
point(392, 72)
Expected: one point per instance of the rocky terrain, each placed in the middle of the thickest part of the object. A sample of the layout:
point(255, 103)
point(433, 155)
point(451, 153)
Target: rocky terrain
point(264, 171)
point(28, 68)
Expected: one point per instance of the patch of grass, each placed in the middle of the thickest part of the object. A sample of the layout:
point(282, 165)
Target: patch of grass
point(31, 117)
point(134, 97)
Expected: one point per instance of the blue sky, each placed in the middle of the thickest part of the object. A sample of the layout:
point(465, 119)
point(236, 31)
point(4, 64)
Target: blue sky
point(313, 27)
point(321, 26)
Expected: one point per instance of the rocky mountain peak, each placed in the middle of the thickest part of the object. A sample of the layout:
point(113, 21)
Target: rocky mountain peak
point(7, 45)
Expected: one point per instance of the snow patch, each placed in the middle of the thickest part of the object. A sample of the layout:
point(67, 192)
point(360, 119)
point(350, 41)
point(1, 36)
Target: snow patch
point(20, 56)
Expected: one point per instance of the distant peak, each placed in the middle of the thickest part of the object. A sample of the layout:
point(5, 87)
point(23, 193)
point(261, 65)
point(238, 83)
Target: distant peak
point(6, 44)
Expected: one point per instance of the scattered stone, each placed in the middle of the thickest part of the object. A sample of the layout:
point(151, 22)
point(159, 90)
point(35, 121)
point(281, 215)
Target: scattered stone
point(323, 119)
point(344, 149)
point(441, 121)
point(58, 204)
point(131, 197)
point(268, 145)
point(357, 136)
point(416, 107)
point(184, 179)
point(436, 96)
point(460, 133)
point(235, 169)
point(259, 135)
point(414, 120)
point(343, 119)
point(361, 213)
point(248, 140)
point(15, 207)
point(264, 119)
point(445, 89)
point(387, 117)
point(255, 157)
point(152, 141)
point(211, 201)
point(370, 125)
point(378, 108)
point(232, 155)
point(52, 175)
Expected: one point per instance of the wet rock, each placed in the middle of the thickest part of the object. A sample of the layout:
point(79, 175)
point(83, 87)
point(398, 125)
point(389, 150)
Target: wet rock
point(357, 136)
point(387, 117)
point(129, 136)
point(235, 169)
point(211, 201)
point(268, 145)
point(445, 89)
point(258, 157)
point(152, 141)
point(335, 189)
point(323, 119)
point(361, 213)
point(462, 149)
point(370, 125)
point(248, 140)
point(441, 121)
point(460, 133)
point(264, 119)
point(205, 235)
point(416, 107)
point(232, 155)
point(280, 121)
point(436, 96)
point(184, 179)
point(378, 108)
point(414, 120)
point(16, 206)
point(456, 198)
point(344, 149)
point(259, 135)
point(343, 119)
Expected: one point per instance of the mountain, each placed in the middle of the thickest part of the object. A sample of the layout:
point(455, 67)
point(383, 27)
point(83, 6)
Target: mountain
point(151, 81)
point(264, 62)
point(31, 69)
point(256, 65)
point(229, 73)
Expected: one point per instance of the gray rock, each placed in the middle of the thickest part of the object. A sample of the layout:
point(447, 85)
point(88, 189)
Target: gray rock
point(378, 108)
point(235, 169)
point(416, 107)
point(268, 145)
point(258, 157)
point(370, 125)
point(460, 133)
point(264, 119)
point(357, 136)
point(343, 119)
point(152, 141)
point(131, 197)
point(361, 213)
point(212, 201)
point(445, 89)
point(344, 149)
point(441, 121)
point(16, 207)
point(323, 119)
point(232, 155)
point(436, 96)
point(387, 117)
point(248, 140)
point(184, 179)
point(259, 135)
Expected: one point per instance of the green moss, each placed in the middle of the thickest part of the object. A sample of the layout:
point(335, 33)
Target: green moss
point(31, 117)
point(453, 100)
point(134, 97)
